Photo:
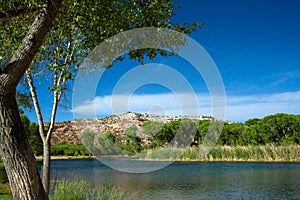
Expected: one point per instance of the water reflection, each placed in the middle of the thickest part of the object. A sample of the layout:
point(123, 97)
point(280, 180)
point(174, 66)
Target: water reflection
point(193, 180)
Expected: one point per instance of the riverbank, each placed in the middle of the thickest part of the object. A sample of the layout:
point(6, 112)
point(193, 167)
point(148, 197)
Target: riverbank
point(62, 157)
point(265, 153)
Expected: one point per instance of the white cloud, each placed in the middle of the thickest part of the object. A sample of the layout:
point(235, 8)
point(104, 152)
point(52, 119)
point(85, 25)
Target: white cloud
point(168, 104)
point(238, 108)
point(241, 108)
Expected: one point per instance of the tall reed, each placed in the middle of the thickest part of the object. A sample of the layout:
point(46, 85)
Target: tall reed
point(246, 153)
point(83, 190)
point(226, 153)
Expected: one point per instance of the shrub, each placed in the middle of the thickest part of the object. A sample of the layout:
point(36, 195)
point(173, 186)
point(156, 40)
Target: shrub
point(64, 149)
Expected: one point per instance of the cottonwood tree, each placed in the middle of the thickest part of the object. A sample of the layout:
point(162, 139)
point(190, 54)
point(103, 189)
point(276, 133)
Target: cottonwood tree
point(19, 44)
point(63, 58)
point(24, 25)
point(64, 55)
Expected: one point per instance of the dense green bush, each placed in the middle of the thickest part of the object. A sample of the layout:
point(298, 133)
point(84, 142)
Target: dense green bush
point(278, 129)
point(106, 145)
point(64, 149)
point(32, 133)
point(88, 139)
point(132, 141)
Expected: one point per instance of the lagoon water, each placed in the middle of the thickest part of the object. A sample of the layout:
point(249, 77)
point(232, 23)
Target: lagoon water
point(191, 180)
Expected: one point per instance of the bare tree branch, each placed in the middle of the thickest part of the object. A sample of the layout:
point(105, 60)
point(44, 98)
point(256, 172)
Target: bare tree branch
point(36, 105)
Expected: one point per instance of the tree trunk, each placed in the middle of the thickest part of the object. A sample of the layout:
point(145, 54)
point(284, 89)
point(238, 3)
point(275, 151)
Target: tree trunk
point(16, 152)
point(46, 165)
point(45, 138)
point(14, 147)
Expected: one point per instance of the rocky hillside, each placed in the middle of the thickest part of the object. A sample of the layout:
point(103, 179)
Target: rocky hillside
point(71, 131)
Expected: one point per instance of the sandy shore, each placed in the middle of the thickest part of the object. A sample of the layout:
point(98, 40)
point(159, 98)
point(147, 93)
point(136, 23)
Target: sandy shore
point(39, 158)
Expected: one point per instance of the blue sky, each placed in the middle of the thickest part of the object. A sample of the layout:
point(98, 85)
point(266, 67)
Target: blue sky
point(255, 45)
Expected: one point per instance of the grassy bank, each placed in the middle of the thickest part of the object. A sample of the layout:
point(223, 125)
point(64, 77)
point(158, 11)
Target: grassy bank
point(79, 190)
point(76, 190)
point(266, 153)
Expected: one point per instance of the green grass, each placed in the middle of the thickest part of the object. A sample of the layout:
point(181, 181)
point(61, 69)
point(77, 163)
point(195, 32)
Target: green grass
point(4, 188)
point(161, 154)
point(78, 190)
point(227, 153)
point(83, 190)
point(4, 184)
point(6, 197)
point(247, 153)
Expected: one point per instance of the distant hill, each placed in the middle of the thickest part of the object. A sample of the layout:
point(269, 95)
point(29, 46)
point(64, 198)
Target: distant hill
point(71, 131)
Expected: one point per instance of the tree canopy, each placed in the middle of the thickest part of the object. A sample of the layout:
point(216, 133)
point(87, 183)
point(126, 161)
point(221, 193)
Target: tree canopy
point(93, 20)
point(30, 27)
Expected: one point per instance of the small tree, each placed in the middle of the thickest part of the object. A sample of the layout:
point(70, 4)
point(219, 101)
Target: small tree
point(87, 139)
point(35, 139)
point(106, 144)
point(61, 69)
point(151, 128)
point(202, 128)
point(168, 132)
point(185, 133)
point(132, 141)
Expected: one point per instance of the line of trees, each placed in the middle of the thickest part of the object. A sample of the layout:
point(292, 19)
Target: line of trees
point(278, 129)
